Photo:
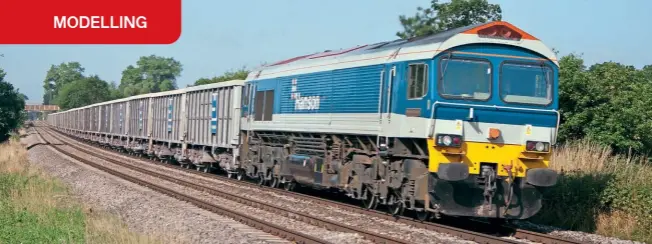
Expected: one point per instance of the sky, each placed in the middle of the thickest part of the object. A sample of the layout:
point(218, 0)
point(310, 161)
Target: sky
point(221, 35)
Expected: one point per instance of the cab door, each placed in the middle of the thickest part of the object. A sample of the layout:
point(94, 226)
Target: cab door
point(412, 96)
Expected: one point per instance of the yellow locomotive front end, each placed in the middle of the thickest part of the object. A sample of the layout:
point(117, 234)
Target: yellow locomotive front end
point(488, 178)
point(494, 121)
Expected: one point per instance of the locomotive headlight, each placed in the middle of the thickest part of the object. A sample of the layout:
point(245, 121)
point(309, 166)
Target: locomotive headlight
point(537, 146)
point(448, 140)
point(540, 146)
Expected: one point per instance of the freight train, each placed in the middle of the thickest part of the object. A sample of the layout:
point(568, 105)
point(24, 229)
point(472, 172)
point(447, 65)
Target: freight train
point(459, 123)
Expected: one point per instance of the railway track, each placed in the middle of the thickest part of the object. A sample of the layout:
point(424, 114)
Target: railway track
point(265, 226)
point(459, 232)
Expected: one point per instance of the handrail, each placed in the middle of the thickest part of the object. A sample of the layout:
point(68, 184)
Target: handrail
point(434, 105)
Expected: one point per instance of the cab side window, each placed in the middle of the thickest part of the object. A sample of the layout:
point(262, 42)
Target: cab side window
point(417, 81)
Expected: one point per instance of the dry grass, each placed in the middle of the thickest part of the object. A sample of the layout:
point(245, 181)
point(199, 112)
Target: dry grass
point(600, 192)
point(105, 228)
point(35, 208)
point(618, 224)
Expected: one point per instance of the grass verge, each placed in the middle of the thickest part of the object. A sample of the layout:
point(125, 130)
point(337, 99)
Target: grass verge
point(36, 208)
point(599, 192)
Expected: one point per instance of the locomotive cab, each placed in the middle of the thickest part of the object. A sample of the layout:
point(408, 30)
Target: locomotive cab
point(493, 122)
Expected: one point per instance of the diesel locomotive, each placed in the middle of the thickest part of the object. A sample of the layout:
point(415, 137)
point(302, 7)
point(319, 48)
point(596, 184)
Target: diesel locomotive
point(459, 123)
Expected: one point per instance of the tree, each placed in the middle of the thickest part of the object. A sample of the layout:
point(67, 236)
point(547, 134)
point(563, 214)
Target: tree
point(607, 103)
point(115, 91)
point(445, 16)
point(151, 74)
point(12, 105)
point(239, 74)
point(58, 76)
point(83, 92)
point(647, 72)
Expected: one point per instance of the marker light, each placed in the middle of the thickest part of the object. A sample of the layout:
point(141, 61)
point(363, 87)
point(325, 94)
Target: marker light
point(530, 146)
point(537, 146)
point(457, 140)
point(493, 134)
point(449, 140)
point(500, 31)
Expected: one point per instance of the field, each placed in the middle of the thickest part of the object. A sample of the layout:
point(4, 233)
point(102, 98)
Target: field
point(600, 192)
point(35, 208)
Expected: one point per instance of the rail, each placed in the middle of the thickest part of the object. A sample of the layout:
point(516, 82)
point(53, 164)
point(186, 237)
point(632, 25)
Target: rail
point(330, 225)
point(262, 225)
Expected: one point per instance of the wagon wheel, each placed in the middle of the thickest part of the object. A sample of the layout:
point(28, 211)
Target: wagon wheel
point(274, 183)
point(261, 179)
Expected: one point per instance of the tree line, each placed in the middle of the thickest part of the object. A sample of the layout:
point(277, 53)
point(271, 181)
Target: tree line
point(68, 86)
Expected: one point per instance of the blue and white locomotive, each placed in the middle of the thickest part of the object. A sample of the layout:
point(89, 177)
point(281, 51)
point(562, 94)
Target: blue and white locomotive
point(457, 123)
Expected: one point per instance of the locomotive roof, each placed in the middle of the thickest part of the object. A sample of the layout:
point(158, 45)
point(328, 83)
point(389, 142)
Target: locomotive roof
point(397, 50)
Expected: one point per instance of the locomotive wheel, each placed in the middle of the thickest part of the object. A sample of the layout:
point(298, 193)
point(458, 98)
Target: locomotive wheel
point(370, 200)
point(206, 169)
point(396, 207)
point(289, 186)
point(423, 215)
point(498, 222)
point(240, 175)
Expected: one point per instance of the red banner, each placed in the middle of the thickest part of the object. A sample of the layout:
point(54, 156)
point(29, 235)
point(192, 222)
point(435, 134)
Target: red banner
point(90, 21)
